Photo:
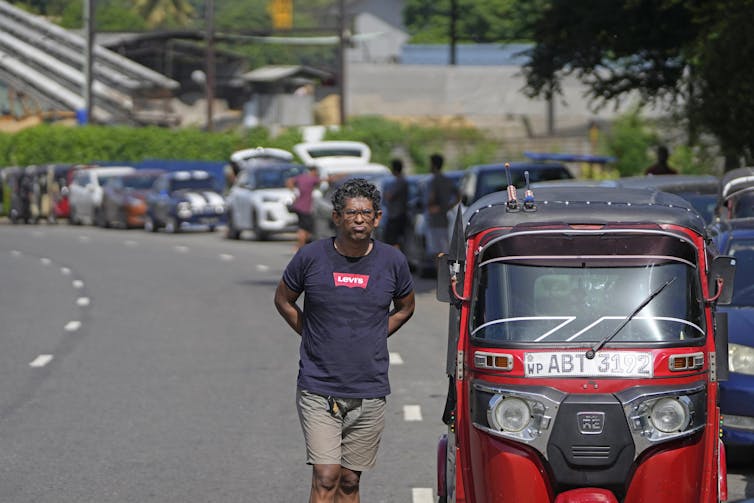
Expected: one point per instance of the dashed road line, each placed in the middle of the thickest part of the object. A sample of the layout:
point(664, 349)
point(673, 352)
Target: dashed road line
point(130, 243)
point(84, 239)
point(15, 253)
point(72, 326)
point(422, 495)
point(77, 283)
point(40, 361)
point(181, 249)
point(83, 301)
point(412, 413)
point(226, 257)
point(395, 359)
point(262, 267)
point(45, 261)
point(65, 271)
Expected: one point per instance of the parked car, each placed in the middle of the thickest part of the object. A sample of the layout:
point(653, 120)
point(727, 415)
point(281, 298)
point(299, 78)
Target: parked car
point(180, 200)
point(339, 158)
point(736, 238)
point(85, 191)
point(736, 194)
point(484, 179)
point(124, 199)
point(259, 200)
point(702, 191)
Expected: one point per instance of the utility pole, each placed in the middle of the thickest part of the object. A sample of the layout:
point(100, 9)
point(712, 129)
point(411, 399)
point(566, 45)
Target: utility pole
point(453, 35)
point(85, 116)
point(209, 83)
point(342, 59)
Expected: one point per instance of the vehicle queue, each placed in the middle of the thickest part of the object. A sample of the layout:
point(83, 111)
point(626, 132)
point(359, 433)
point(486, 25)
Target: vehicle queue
point(252, 197)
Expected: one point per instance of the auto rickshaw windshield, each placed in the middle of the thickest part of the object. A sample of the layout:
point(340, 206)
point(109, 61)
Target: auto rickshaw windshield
point(577, 302)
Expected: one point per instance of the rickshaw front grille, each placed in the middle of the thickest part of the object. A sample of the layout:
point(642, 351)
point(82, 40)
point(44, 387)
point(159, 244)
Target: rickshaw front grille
point(582, 452)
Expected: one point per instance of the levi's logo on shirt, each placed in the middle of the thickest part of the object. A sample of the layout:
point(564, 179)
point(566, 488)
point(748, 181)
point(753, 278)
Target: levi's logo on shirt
point(350, 280)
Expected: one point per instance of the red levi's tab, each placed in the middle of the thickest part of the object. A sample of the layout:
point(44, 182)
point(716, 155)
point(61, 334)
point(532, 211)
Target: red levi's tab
point(350, 280)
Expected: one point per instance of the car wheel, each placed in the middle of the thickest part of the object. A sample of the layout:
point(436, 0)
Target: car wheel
point(232, 232)
point(99, 218)
point(259, 234)
point(73, 219)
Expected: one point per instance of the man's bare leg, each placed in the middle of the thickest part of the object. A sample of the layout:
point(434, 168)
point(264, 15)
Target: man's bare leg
point(348, 489)
point(325, 483)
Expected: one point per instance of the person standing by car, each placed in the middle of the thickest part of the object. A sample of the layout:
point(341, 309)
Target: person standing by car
point(396, 201)
point(304, 185)
point(349, 283)
point(441, 196)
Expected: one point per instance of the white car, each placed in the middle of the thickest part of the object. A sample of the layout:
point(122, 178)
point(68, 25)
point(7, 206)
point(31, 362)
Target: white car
point(335, 160)
point(258, 200)
point(85, 191)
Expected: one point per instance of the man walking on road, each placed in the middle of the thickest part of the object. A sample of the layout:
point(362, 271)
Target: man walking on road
point(349, 282)
point(442, 195)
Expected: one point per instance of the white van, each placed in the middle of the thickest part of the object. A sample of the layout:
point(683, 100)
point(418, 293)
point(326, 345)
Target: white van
point(85, 191)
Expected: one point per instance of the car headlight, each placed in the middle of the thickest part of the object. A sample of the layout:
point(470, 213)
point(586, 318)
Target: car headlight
point(741, 359)
point(669, 415)
point(510, 414)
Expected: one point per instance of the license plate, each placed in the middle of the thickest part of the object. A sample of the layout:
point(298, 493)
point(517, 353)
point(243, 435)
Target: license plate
point(576, 364)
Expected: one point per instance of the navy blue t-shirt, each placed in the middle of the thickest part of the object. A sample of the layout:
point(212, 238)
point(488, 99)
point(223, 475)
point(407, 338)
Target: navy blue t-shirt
point(346, 304)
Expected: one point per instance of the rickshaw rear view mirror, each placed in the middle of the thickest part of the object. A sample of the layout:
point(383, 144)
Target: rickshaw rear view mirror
point(721, 274)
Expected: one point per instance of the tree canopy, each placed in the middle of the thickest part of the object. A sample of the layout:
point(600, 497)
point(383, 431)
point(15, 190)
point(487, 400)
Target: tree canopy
point(694, 52)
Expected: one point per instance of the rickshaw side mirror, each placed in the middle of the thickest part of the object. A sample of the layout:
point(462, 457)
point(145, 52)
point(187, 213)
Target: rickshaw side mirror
point(443, 278)
point(721, 275)
point(721, 346)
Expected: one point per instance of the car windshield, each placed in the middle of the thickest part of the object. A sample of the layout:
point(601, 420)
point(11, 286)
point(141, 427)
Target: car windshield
point(577, 301)
point(270, 178)
point(743, 288)
point(192, 184)
point(139, 182)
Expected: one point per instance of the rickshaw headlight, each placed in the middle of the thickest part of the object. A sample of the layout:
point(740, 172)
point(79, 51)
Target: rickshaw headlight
point(510, 414)
point(669, 415)
point(741, 359)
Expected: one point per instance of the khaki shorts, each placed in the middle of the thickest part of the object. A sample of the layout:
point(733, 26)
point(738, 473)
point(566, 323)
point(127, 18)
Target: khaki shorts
point(350, 438)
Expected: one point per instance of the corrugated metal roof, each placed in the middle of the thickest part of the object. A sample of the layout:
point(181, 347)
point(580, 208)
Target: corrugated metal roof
point(282, 72)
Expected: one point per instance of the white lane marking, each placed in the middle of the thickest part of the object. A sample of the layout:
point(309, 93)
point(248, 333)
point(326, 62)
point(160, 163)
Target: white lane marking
point(72, 326)
point(422, 495)
point(395, 359)
point(40, 361)
point(262, 267)
point(65, 271)
point(181, 249)
point(77, 283)
point(45, 261)
point(226, 257)
point(15, 253)
point(82, 301)
point(412, 413)
point(130, 242)
point(84, 239)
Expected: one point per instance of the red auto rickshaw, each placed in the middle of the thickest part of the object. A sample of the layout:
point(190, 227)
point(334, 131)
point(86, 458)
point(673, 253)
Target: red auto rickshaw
point(584, 350)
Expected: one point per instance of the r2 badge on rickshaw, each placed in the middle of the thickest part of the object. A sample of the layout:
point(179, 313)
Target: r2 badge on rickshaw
point(584, 350)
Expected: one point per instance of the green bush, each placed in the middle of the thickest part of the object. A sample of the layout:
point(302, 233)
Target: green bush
point(630, 141)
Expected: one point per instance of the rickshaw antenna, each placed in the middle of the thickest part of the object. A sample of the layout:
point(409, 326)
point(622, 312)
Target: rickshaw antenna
point(528, 195)
point(512, 203)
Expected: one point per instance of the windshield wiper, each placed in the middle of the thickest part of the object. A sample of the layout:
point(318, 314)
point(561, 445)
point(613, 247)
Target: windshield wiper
point(593, 350)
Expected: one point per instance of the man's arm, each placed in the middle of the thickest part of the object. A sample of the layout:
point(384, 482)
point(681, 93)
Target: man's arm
point(404, 309)
point(285, 302)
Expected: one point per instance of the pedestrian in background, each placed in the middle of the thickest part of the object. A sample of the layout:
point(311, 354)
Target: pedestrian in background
point(661, 167)
point(357, 292)
point(396, 203)
point(304, 185)
point(441, 196)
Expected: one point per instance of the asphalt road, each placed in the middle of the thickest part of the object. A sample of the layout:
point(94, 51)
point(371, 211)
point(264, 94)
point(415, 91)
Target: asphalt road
point(139, 367)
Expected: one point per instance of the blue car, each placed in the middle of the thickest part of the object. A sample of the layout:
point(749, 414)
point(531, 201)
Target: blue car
point(736, 238)
point(181, 200)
